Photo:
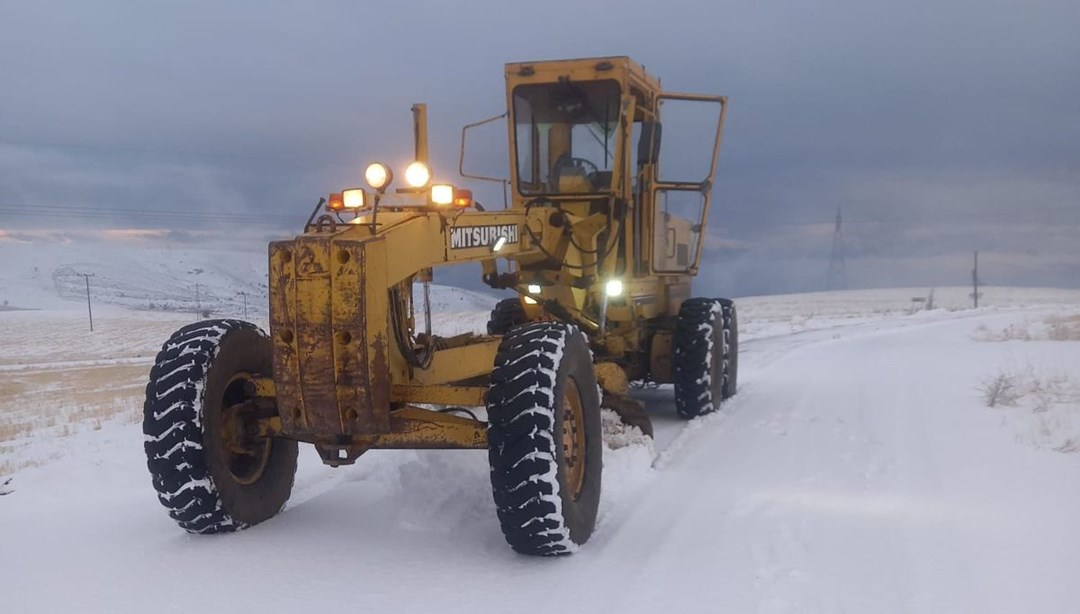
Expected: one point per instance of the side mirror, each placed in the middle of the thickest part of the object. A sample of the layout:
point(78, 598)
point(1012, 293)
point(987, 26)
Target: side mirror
point(648, 151)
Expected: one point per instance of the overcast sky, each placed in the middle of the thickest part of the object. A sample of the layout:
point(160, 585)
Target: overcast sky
point(938, 127)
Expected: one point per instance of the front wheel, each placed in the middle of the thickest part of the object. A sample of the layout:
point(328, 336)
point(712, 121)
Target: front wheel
point(211, 469)
point(544, 438)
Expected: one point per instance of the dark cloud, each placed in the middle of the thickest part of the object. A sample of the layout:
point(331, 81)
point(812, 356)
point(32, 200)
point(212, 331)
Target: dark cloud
point(937, 127)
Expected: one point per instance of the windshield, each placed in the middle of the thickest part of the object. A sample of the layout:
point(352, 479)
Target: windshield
point(565, 136)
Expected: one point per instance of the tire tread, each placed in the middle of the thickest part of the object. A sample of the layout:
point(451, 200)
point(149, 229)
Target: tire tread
point(172, 433)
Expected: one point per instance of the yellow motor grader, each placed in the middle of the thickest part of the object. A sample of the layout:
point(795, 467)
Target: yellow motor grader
point(600, 239)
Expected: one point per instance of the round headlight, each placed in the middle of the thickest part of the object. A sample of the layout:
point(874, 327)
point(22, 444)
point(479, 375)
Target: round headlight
point(614, 287)
point(378, 176)
point(417, 174)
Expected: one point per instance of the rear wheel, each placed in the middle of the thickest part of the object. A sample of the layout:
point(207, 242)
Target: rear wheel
point(705, 356)
point(507, 314)
point(211, 469)
point(731, 347)
point(545, 439)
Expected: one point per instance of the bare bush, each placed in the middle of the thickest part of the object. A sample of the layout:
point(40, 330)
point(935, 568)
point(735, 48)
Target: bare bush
point(1012, 332)
point(1069, 446)
point(1001, 389)
point(1016, 332)
point(1047, 391)
point(1047, 406)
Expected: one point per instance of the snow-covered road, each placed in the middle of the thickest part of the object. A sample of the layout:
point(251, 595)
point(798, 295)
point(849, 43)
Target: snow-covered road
point(855, 474)
point(857, 471)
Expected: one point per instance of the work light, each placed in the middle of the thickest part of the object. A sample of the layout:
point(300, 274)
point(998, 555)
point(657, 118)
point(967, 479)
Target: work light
point(353, 198)
point(417, 174)
point(442, 194)
point(378, 176)
point(614, 287)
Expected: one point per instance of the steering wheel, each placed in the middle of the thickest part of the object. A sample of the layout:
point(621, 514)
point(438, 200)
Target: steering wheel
point(566, 162)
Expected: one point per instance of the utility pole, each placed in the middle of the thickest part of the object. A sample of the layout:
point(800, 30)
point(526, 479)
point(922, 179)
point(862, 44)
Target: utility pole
point(975, 280)
point(89, 310)
point(244, 294)
point(198, 306)
point(837, 261)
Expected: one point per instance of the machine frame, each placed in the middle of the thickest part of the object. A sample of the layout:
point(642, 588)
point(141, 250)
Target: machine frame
point(349, 378)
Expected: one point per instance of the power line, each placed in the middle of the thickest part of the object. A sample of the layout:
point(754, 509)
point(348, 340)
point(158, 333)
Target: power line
point(160, 152)
point(90, 208)
point(166, 215)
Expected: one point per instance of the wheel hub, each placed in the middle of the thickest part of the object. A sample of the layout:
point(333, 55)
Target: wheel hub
point(573, 439)
point(246, 453)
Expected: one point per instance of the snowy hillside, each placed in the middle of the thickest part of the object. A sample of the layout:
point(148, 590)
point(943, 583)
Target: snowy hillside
point(215, 282)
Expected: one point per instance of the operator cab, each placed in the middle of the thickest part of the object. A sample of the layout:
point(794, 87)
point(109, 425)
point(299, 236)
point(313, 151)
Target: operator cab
point(566, 135)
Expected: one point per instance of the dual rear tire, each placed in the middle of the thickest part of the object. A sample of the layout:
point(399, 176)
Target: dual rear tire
point(706, 355)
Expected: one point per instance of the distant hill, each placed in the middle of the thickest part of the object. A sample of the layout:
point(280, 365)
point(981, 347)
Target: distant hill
point(50, 275)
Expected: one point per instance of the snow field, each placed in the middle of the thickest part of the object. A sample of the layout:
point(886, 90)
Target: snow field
point(858, 470)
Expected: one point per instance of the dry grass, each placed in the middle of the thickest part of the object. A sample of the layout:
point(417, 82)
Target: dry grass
point(1052, 328)
point(1063, 328)
point(54, 403)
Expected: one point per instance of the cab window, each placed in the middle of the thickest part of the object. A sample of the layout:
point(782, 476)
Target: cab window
point(565, 136)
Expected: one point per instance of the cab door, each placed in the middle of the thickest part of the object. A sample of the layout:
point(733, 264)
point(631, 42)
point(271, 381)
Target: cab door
point(681, 186)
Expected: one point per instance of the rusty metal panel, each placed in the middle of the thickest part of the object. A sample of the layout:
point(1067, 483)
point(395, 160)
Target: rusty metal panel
point(377, 323)
point(347, 262)
point(361, 396)
point(282, 333)
point(313, 324)
point(330, 360)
